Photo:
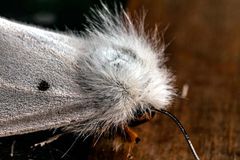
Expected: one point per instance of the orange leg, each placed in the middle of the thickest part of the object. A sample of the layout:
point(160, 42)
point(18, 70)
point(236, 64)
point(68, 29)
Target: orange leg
point(130, 138)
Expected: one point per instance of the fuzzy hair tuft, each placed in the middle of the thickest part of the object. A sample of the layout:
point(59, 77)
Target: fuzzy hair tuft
point(121, 72)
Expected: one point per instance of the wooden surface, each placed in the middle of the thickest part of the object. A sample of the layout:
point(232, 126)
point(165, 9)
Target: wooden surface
point(205, 54)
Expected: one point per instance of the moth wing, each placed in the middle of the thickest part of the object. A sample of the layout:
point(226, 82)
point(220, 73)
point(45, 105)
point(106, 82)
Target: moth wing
point(29, 56)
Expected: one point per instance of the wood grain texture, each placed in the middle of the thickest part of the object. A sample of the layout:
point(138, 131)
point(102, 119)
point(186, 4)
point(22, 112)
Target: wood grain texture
point(205, 54)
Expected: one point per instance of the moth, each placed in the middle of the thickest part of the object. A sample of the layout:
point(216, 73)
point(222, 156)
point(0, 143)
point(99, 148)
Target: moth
point(90, 83)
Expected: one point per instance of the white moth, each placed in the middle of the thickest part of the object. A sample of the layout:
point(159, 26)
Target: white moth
point(86, 84)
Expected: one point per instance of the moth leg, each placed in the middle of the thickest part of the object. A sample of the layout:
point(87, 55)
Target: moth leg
point(132, 138)
point(129, 138)
point(49, 140)
point(126, 140)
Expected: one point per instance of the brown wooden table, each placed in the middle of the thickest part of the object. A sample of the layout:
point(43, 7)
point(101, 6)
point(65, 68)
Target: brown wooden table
point(204, 54)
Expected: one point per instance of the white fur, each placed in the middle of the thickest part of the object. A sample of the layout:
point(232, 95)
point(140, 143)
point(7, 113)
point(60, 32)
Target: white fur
point(137, 83)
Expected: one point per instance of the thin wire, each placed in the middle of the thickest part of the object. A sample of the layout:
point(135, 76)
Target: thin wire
point(180, 126)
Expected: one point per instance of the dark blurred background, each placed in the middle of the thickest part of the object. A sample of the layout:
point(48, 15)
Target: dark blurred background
point(56, 14)
point(204, 54)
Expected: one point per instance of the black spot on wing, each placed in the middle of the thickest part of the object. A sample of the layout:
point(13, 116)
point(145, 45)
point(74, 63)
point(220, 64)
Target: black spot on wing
point(43, 85)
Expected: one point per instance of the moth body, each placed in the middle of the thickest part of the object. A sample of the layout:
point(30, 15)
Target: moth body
point(86, 84)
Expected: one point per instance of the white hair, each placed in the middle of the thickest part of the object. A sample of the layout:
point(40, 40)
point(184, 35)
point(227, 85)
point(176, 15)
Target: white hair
point(121, 72)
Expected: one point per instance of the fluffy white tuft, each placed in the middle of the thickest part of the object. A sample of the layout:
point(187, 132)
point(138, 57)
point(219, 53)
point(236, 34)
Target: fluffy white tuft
point(122, 72)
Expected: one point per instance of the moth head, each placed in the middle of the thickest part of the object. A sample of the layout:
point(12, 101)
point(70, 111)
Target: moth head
point(122, 71)
point(119, 81)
